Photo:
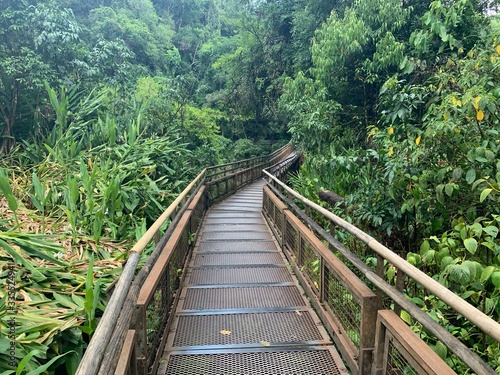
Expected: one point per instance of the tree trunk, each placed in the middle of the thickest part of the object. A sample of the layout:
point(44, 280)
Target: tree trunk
point(330, 197)
point(9, 119)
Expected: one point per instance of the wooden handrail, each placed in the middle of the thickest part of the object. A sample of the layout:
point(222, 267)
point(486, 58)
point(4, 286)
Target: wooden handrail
point(481, 320)
point(270, 156)
point(153, 229)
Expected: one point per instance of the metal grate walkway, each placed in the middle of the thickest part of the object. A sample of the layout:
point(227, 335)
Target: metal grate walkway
point(241, 310)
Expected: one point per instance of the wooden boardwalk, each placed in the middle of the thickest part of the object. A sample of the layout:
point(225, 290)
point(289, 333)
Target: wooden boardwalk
point(241, 309)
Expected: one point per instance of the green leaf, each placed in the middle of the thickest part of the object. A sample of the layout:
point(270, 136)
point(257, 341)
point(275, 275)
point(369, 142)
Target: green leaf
point(7, 191)
point(486, 274)
point(37, 275)
point(484, 194)
point(491, 230)
point(448, 189)
point(47, 365)
point(446, 261)
point(441, 350)
point(471, 245)
point(470, 177)
point(406, 317)
point(25, 361)
point(424, 247)
point(460, 274)
point(495, 279)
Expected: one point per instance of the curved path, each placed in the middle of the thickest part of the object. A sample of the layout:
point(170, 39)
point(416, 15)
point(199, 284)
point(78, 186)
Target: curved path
point(241, 309)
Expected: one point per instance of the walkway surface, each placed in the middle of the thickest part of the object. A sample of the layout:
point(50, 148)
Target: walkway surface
point(241, 310)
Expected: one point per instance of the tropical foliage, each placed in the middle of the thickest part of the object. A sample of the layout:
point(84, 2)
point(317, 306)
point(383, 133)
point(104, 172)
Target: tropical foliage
point(109, 107)
point(408, 132)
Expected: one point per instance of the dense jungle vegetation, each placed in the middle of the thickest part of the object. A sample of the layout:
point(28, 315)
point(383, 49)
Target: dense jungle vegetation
point(109, 107)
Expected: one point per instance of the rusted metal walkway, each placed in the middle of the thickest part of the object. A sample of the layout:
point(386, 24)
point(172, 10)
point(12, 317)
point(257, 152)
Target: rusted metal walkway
point(241, 310)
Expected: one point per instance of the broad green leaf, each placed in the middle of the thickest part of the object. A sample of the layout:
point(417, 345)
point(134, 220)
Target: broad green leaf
point(448, 189)
point(484, 194)
point(460, 274)
point(486, 274)
point(490, 305)
point(471, 245)
point(441, 350)
point(491, 230)
point(495, 279)
point(470, 177)
point(406, 317)
point(424, 247)
point(446, 261)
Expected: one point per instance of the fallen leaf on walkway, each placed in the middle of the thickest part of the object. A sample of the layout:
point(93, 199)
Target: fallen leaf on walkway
point(225, 332)
point(298, 313)
point(265, 343)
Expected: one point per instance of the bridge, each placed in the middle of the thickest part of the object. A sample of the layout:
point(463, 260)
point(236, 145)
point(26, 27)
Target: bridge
point(246, 276)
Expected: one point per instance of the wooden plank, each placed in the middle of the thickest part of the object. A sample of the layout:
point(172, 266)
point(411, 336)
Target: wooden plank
point(161, 264)
point(419, 351)
point(126, 356)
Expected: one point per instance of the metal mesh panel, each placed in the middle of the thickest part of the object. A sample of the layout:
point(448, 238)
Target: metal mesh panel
point(244, 208)
point(212, 191)
point(236, 235)
point(156, 314)
point(235, 215)
point(237, 259)
point(231, 226)
point(310, 264)
point(344, 306)
point(292, 239)
point(246, 328)
point(278, 220)
point(242, 298)
point(267, 204)
point(240, 275)
point(237, 246)
point(234, 221)
point(397, 364)
point(157, 311)
point(306, 361)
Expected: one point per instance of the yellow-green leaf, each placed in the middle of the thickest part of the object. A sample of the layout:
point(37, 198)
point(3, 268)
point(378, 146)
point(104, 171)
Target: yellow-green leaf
point(484, 194)
point(471, 245)
point(476, 102)
point(406, 317)
point(495, 279)
point(417, 141)
point(391, 131)
point(480, 115)
point(498, 49)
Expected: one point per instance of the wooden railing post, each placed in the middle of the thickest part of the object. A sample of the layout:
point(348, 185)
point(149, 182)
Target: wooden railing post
point(369, 308)
point(139, 325)
point(400, 286)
